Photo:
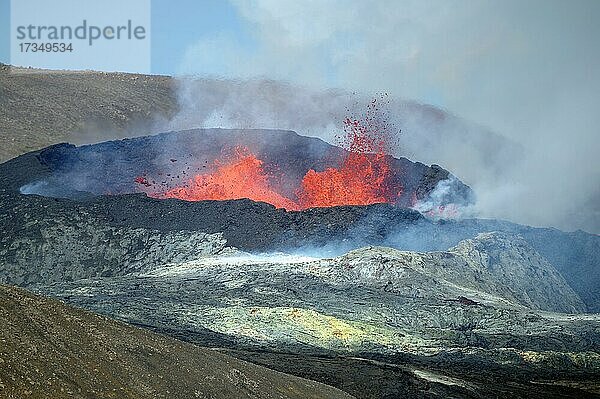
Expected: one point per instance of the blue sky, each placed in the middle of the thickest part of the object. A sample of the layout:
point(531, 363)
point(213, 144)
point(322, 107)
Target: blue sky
point(177, 25)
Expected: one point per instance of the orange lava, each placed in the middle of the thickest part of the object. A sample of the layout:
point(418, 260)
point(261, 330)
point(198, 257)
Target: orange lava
point(360, 180)
point(241, 177)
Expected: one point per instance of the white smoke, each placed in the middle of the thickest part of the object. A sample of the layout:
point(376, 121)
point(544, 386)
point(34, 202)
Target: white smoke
point(439, 205)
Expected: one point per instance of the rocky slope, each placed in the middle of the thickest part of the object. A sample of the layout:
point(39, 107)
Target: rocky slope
point(49, 349)
point(509, 267)
point(420, 312)
point(72, 248)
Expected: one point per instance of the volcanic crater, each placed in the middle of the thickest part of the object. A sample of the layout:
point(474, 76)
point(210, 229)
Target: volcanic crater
point(278, 167)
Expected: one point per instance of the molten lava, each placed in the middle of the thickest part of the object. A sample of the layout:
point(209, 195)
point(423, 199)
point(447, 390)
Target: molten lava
point(241, 177)
point(362, 177)
point(359, 181)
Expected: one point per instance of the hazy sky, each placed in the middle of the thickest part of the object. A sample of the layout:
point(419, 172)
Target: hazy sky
point(505, 64)
point(527, 69)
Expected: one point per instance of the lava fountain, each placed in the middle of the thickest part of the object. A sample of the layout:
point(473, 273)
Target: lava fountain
point(362, 177)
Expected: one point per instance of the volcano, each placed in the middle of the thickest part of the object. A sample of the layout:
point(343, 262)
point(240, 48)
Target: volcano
point(278, 167)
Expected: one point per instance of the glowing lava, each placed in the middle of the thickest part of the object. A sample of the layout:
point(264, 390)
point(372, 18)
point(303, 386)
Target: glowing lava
point(362, 178)
point(241, 177)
